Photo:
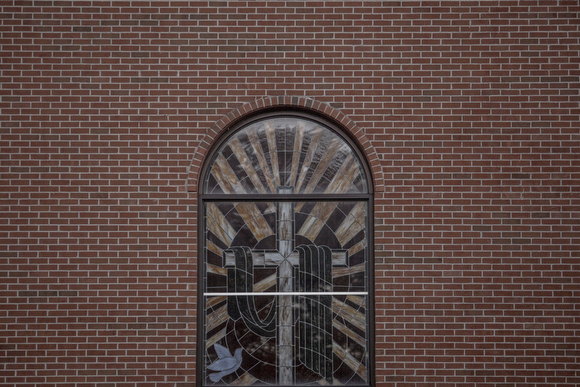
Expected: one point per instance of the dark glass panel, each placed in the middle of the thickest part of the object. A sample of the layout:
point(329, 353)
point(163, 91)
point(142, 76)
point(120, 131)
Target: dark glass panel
point(357, 282)
point(299, 219)
point(215, 331)
point(212, 185)
point(341, 284)
point(355, 328)
point(213, 258)
point(264, 180)
point(261, 274)
point(307, 207)
point(234, 220)
point(300, 240)
point(227, 152)
point(339, 215)
point(268, 243)
point(360, 256)
point(247, 183)
point(326, 237)
point(322, 185)
point(347, 376)
point(244, 237)
point(359, 184)
point(215, 240)
point(216, 282)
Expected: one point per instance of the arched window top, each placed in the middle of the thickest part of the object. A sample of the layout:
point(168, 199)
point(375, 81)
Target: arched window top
point(286, 256)
point(289, 152)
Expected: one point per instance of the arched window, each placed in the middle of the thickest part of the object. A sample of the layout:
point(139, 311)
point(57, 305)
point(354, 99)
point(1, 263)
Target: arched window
point(285, 263)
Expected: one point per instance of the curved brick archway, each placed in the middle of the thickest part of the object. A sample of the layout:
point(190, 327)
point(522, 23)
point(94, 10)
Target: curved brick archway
point(267, 103)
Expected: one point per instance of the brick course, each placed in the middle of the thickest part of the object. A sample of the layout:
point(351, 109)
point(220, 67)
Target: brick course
point(468, 113)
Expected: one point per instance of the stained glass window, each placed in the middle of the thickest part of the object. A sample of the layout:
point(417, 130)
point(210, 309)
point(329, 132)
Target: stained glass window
point(285, 279)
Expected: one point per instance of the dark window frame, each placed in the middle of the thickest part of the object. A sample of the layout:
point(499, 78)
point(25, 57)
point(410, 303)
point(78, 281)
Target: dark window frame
point(203, 198)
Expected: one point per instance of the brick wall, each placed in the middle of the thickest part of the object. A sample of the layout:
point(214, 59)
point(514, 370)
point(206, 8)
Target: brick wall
point(469, 112)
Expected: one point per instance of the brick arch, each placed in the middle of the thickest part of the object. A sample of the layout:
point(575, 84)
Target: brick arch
point(267, 103)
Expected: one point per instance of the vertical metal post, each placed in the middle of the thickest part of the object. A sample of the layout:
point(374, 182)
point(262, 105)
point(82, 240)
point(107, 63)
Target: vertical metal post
point(286, 284)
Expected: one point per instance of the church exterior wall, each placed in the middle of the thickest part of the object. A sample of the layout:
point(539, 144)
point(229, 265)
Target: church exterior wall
point(467, 114)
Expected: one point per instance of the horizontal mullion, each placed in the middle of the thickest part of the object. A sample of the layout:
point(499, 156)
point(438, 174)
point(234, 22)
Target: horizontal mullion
point(221, 294)
point(286, 198)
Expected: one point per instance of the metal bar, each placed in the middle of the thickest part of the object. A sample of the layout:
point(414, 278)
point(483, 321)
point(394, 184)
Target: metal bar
point(219, 294)
point(285, 197)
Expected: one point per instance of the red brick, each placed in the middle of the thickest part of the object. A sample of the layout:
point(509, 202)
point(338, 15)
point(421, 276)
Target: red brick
point(467, 114)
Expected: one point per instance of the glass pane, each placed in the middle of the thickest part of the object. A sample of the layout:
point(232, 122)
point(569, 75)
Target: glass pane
point(285, 151)
point(286, 293)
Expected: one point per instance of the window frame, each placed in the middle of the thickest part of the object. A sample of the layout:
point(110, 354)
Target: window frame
point(204, 198)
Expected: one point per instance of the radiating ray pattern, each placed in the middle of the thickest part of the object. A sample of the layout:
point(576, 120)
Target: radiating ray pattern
point(287, 151)
point(258, 251)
